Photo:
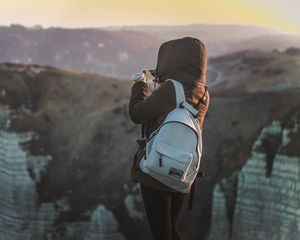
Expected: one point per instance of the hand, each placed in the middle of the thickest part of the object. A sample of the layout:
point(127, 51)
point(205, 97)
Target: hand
point(138, 77)
point(149, 75)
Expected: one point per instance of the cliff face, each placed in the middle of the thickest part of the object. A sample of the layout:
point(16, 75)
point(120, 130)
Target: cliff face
point(266, 199)
point(268, 194)
point(73, 142)
point(242, 105)
point(65, 142)
point(23, 215)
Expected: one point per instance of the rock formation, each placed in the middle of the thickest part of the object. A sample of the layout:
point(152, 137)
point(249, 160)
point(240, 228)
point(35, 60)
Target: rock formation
point(267, 200)
point(67, 143)
point(23, 215)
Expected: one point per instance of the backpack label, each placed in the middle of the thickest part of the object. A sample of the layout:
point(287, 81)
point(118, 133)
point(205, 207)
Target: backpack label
point(175, 172)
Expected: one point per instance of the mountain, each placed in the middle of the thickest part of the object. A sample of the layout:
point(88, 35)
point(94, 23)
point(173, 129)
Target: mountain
point(65, 141)
point(222, 39)
point(207, 32)
point(115, 53)
point(67, 145)
point(251, 157)
point(255, 71)
point(121, 51)
point(269, 42)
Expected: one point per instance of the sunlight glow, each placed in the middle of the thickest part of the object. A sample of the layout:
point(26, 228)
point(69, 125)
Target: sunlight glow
point(278, 14)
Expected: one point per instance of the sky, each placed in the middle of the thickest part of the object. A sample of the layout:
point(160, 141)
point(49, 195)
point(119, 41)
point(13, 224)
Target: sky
point(278, 14)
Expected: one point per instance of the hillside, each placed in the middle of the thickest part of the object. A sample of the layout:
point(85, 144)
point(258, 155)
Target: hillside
point(68, 142)
point(255, 71)
point(80, 122)
point(116, 53)
point(209, 32)
point(121, 51)
point(223, 39)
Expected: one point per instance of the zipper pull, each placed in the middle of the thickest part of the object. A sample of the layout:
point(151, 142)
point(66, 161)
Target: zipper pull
point(160, 161)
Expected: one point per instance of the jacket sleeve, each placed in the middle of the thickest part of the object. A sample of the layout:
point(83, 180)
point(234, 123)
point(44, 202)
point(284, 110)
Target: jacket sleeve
point(144, 107)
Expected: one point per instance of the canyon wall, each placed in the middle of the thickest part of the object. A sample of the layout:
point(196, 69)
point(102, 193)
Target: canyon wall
point(267, 196)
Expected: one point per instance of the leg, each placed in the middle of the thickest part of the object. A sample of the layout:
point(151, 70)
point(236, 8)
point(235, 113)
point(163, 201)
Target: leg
point(176, 205)
point(157, 206)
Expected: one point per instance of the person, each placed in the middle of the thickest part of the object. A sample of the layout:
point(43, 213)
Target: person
point(184, 60)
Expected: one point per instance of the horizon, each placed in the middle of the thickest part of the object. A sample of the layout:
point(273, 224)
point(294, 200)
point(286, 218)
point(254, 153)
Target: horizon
point(273, 14)
point(123, 27)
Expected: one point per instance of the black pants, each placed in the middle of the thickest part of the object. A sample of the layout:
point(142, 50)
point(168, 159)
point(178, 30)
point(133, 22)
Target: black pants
point(162, 210)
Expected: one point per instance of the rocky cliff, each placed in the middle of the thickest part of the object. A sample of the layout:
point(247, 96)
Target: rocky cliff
point(238, 113)
point(266, 197)
point(23, 214)
point(68, 142)
point(63, 135)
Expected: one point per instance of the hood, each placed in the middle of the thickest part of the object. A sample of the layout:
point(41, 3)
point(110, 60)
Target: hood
point(182, 59)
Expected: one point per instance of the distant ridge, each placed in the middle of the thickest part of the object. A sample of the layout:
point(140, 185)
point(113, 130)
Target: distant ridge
point(120, 51)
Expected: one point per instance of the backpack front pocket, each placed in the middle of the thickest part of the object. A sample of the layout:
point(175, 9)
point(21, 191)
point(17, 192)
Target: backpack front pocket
point(169, 161)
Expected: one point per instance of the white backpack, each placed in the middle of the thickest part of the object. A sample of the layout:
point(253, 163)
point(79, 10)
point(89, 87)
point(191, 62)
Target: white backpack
point(174, 150)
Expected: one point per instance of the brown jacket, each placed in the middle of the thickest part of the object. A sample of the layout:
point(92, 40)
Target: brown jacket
point(185, 61)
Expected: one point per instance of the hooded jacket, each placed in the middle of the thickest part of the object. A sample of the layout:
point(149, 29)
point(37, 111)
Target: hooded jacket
point(183, 60)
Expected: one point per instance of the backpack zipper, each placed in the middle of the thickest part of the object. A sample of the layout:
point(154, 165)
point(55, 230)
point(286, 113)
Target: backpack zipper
point(160, 160)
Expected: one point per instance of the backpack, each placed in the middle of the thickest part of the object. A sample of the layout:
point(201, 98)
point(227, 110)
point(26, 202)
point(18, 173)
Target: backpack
point(173, 151)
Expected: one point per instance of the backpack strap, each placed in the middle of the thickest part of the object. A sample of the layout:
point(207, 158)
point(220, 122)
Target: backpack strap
point(180, 96)
point(192, 195)
point(180, 99)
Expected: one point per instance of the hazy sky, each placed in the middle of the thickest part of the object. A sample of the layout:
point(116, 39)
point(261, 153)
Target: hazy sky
point(280, 14)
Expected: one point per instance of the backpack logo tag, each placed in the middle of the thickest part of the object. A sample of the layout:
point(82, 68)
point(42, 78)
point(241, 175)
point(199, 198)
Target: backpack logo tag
point(175, 172)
